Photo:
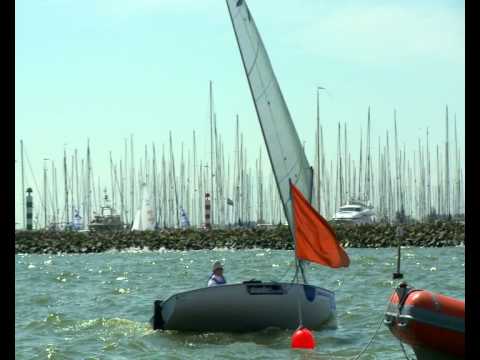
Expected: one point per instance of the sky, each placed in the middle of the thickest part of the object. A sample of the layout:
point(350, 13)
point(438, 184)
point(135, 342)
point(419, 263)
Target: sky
point(102, 70)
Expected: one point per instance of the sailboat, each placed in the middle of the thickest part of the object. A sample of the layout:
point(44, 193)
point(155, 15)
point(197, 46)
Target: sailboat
point(184, 221)
point(77, 221)
point(255, 305)
point(145, 216)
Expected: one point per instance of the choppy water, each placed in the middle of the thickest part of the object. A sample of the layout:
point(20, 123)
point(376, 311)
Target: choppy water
point(97, 306)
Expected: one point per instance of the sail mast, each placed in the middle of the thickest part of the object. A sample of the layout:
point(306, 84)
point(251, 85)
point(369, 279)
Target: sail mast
point(164, 190)
point(72, 177)
point(388, 180)
point(260, 180)
point(345, 164)
point(429, 180)
point(447, 172)
point(182, 178)
point(322, 184)
point(146, 166)
point(369, 166)
point(23, 185)
point(339, 166)
point(132, 181)
point(172, 159)
point(154, 176)
point(397, 163)
point(88, 184)
point(112, 182)
point(196, 192)
point(236, 176)
point(457, 172)
point(83, 196)
point(123, 174)
point(317, 142)
point(45, 192)
point(188, 185)
point(211, 155)
point(360, 168)
point(65, 176)
point(216, 173)
point(54, 195)
point(77, 187)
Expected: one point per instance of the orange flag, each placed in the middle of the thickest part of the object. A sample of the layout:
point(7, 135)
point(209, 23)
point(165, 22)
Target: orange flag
point(315, 240)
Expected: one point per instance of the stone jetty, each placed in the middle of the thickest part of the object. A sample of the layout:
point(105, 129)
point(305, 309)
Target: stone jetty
point(435, 234)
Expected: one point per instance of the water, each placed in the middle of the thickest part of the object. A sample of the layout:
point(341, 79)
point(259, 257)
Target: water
point(97, 306)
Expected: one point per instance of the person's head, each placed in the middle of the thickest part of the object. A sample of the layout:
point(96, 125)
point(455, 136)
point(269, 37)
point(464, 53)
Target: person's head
point(217, 268)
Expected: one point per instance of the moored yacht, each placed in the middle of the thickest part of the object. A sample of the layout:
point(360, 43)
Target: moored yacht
point(355, 212)
point(107, 220)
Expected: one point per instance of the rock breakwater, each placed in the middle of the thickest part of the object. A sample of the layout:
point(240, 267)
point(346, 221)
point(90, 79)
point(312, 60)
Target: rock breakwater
point(437, 234)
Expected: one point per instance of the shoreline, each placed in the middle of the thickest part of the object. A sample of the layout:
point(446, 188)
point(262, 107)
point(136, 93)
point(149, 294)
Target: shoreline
point(438, 234)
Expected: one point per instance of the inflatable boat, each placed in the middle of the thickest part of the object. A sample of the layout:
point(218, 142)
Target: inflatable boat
point(432, 324)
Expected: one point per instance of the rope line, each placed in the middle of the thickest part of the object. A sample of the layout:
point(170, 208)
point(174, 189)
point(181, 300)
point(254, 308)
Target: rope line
point(404, 351)
point(370, 341)
point(373, 336)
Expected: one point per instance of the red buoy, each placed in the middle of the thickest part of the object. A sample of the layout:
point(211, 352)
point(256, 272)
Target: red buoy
point(303, 338)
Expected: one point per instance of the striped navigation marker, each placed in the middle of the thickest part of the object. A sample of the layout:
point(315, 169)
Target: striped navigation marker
point(207, 211)
point(29, 209)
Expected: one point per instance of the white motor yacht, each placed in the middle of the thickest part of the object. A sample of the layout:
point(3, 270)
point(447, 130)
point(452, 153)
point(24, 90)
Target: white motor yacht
point(355, 212)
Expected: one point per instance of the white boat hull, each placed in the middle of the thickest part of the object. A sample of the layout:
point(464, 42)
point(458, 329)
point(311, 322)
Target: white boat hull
point(356, 221)
point(355, 213)
point(246, 307)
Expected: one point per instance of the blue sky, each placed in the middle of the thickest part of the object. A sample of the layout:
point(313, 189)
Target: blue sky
point(103, 70)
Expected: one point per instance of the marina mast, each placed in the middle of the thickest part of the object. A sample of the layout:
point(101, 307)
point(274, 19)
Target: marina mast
point(65, 176)
point(23, 185)
point(212, 198)
point(447, 172)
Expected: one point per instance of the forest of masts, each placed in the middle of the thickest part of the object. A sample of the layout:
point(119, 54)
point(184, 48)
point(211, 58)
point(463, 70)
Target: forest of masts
point(383, 173)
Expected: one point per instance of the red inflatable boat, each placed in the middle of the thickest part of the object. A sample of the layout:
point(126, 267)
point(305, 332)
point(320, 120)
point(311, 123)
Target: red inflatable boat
point(432, 324)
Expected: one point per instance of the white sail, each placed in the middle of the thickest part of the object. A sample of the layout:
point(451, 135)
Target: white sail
point(77, 221)
point(184, 221)
point(137, 221)
point(145, 216)
point(283, 145)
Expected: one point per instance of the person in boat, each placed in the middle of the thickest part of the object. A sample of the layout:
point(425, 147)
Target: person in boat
point(217, 278)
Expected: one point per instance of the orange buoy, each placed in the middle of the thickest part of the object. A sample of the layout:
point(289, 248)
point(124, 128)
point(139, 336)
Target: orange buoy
point(303, 338)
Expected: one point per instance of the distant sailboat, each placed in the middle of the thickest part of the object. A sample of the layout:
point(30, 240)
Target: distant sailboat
point(255, 305)
point(145, 216)
point(77, 221)
point(184, 221)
